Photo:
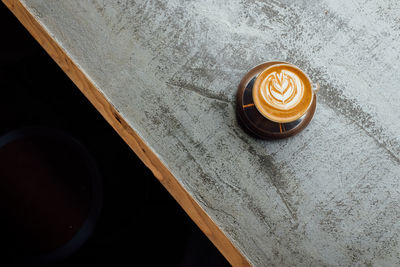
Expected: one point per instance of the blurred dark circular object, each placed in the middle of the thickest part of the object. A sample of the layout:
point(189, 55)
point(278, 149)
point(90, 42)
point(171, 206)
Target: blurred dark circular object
point(50, 195)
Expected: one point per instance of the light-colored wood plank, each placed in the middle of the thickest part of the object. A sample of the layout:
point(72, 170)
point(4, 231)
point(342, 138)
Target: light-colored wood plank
point(160, 171)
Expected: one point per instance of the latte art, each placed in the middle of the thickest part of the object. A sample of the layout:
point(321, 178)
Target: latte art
point(282, 93)
point(282, 90)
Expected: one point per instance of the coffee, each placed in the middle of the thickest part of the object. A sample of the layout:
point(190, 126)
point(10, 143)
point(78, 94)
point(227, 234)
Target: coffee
point(282, 93)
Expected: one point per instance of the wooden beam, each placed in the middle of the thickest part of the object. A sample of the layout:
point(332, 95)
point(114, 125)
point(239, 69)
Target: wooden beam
point(142, 150)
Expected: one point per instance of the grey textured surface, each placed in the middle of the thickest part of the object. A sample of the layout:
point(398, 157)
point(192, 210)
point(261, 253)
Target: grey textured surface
point(328, 196)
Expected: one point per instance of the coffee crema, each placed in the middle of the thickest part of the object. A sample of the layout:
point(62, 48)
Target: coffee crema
point(282, 93)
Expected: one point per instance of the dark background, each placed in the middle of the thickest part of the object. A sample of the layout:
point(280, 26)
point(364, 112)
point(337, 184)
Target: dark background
point(139, 221)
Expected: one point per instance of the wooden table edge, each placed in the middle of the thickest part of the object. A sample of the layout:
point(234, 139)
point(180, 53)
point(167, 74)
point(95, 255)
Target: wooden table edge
point(144, 152)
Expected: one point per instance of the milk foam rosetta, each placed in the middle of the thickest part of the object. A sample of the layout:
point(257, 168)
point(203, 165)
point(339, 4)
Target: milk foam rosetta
point(282, 93)
point(282, 90)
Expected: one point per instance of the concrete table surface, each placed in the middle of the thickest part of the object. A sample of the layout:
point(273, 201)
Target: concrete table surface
point(327, 196)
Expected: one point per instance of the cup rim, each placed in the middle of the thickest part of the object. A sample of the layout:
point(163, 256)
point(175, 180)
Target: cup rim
point(295, 117)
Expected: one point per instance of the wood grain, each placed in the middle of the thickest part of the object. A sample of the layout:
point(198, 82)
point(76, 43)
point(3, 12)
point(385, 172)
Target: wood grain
point(160, 171)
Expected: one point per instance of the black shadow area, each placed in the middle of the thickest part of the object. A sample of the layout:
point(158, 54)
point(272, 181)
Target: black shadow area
point(140, 221)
